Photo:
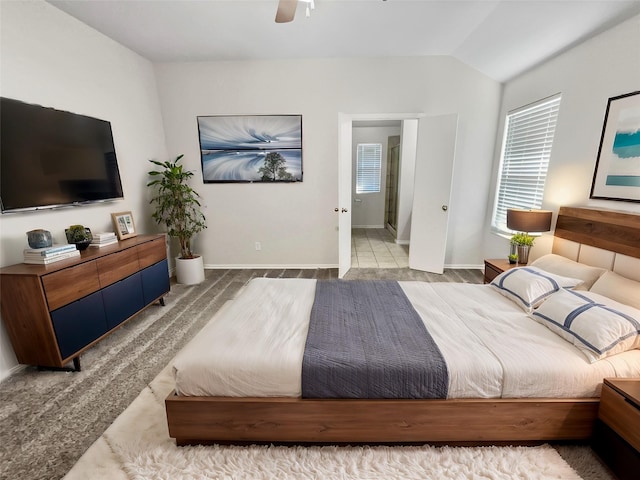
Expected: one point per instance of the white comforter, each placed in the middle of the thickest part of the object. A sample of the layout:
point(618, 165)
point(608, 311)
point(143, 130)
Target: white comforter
point(254, 345)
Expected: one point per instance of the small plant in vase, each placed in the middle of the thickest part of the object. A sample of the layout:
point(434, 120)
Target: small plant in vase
point(513, 258)
point(523, 242)
point(79, 235)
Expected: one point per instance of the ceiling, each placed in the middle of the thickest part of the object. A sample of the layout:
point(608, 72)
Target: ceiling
point(499, 38)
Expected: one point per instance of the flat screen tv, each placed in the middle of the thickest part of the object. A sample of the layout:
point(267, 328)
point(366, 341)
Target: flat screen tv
point(50, 158)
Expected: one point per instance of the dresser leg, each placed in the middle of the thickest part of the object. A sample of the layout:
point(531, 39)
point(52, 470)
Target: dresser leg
point(76, 367)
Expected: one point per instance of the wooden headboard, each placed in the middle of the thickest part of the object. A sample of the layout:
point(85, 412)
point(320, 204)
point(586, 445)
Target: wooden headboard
point(607, 229)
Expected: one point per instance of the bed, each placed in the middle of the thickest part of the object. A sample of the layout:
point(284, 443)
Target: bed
point(497, 391)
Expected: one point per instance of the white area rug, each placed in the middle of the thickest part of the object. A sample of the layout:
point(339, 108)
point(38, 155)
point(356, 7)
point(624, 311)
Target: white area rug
point(348, 463)
point(137, 446)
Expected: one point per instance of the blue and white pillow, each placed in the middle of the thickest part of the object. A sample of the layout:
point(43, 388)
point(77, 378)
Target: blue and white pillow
point(528, 287)
point(597, 325)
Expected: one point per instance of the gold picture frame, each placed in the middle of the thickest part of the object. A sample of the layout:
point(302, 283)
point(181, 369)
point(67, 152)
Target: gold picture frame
point(123, 225)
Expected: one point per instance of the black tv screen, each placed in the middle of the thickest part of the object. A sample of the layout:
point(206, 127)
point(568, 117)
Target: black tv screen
point(51, 158)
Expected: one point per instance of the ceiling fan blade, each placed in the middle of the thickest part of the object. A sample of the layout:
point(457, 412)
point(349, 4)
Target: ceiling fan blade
point(286, 10)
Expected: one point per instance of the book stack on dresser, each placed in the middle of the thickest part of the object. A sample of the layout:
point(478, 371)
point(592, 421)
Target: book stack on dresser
point(103, 239)
point(52, 254)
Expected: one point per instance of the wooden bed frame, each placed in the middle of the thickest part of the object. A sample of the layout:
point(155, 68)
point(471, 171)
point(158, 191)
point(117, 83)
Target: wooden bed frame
point(202, 420)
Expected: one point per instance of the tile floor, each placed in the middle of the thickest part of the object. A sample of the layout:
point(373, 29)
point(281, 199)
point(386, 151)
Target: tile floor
point(376, 248)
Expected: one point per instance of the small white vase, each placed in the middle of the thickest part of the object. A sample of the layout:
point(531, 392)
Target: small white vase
point(189, 271)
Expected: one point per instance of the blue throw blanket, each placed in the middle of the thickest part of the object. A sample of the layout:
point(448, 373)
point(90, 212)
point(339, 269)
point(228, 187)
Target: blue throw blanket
point(366, 341)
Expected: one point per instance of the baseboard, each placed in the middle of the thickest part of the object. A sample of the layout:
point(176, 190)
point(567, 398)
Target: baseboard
point(367, 226)
point(269, 267)
point(308, 267)
point(465, 267)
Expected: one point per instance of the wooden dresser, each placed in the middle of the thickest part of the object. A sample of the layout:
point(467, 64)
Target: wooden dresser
point(617, 431)
point(54, 312)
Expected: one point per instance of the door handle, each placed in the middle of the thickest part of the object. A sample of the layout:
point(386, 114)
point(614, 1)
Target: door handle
point(445, 207)
point(344, 210)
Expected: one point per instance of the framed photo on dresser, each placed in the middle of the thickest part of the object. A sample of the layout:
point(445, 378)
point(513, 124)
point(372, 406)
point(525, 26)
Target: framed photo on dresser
point(123, 225)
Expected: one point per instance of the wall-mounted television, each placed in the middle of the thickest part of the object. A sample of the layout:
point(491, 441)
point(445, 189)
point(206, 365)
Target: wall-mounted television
point(51, 158)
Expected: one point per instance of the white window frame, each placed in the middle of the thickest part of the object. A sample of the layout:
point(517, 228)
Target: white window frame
point(524, 159)
point(368, 168)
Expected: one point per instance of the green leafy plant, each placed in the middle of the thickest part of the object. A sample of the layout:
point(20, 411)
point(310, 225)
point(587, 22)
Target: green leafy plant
point(522, 239)
point(176, 203)
point(78, 233)
point(513, 258)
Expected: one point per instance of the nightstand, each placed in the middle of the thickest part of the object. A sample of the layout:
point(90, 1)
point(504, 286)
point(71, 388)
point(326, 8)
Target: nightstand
point(495, 266)
point(616, 437)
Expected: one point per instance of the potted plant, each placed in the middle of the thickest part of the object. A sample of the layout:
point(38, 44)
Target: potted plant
point(178, 208)
point(523, 242)
point(79, 235)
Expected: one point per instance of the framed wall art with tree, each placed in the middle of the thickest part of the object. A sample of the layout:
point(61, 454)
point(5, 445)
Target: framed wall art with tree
point(251, 148)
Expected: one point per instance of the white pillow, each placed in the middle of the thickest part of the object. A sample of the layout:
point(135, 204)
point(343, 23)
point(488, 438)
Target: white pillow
point(528, 287)
point(569, 268)
point(618, 288)
point(597, 325)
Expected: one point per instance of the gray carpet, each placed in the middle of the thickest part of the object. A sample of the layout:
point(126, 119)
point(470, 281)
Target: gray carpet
point(48, 419)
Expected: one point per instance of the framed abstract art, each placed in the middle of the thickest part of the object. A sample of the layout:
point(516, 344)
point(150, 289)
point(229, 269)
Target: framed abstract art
point(251, 148)
point(617, 172)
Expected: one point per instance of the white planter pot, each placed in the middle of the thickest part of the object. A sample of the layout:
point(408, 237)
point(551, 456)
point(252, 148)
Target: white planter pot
point(189, 271)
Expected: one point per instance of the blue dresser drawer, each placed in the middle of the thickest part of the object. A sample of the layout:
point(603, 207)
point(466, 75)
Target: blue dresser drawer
point(122, 300)
point(79, 323)
point(155, 281)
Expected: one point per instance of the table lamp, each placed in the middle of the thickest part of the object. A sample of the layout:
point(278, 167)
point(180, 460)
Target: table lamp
point(525, 221)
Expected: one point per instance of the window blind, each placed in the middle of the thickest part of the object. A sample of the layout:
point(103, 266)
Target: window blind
point(526, 150)
point(368, 167)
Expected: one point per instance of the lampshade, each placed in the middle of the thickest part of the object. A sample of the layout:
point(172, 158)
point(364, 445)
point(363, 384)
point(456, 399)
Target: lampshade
point(528, 220)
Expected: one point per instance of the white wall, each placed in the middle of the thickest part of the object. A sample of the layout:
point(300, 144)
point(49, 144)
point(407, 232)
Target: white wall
point(296, 223)
point(49, 58)
point(587, 76)
point(369, 210)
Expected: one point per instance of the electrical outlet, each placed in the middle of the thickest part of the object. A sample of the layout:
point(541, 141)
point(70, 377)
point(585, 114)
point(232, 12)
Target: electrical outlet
point(258, 246)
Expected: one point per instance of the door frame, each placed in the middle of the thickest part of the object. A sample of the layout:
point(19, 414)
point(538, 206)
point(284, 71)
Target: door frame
point(389, 184)
point(345, 162)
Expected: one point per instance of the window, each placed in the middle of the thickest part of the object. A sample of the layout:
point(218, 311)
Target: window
point(524, 162)
point(368, 167)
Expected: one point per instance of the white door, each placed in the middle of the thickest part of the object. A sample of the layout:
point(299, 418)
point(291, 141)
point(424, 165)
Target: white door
point(343, 210)
point(432, 192)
